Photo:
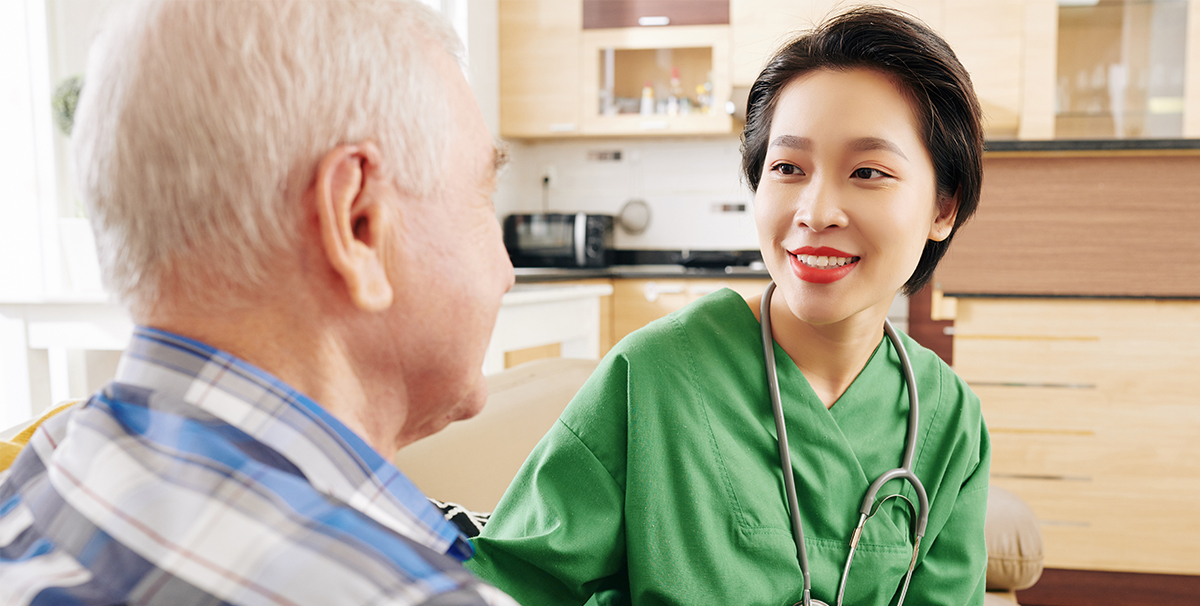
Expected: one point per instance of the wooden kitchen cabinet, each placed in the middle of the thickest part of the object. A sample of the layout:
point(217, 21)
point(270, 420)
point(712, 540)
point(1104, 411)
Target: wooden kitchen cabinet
point(540, 80)
point(552, 74)
point(619, 63)
point(557, 80)
point(986, 36)
point(1092, 410)
point(638, 302)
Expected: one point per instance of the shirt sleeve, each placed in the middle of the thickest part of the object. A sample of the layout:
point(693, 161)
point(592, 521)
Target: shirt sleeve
point(954, 569)
point(557, 536)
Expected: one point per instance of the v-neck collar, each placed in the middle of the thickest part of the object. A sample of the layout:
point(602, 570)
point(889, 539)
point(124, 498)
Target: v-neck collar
point(806, 416)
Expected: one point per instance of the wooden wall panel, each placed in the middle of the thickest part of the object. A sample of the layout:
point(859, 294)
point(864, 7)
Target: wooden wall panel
point(1093, 412)
point(1084, 225)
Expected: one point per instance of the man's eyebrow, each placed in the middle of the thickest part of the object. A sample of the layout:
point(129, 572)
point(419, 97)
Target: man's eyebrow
point(793, 142)
point(875, 143)
point(500, 156)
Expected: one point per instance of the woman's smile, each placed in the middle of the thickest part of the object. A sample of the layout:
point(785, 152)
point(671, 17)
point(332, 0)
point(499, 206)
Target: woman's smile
point(821, 265)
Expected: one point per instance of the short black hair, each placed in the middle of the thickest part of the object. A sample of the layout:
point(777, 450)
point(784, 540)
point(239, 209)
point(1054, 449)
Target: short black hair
point(920, 62)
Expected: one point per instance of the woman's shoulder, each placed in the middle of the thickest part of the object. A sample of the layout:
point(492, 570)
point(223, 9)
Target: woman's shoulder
point(929, 364)
point(953, 407)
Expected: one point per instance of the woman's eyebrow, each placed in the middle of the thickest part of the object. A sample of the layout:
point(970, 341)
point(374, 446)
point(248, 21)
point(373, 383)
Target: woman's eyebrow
point(875, 143)
point(793, 142)
point(861, 144)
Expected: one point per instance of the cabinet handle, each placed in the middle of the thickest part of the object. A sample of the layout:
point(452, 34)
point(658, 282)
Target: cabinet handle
point(563, 127)
point(653, 125)
point(653, 289)
point(654, 21)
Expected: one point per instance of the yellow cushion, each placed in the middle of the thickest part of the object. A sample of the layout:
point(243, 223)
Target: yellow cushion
point(10, 448)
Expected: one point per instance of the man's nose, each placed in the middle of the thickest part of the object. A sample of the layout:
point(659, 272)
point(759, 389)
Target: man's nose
point(819, 206)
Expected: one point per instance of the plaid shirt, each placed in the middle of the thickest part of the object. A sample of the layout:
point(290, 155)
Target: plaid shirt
point(196, 478)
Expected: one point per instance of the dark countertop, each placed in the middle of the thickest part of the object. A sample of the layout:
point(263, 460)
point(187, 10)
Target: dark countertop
point(1089, 145)
point(556, 274)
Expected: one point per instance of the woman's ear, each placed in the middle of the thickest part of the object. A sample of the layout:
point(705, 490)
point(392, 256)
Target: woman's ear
point(354, 221)
point(943, 221)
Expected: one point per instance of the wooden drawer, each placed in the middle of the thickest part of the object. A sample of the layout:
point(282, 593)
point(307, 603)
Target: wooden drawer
point(1094, 412)
point(637, 302)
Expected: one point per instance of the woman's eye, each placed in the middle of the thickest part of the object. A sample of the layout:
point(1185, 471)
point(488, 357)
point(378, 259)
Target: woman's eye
point(869, 173)
point(784, 168)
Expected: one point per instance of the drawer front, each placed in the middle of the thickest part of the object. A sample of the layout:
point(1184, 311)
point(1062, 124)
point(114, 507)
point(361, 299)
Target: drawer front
point(637, 303)
point(1094, 412)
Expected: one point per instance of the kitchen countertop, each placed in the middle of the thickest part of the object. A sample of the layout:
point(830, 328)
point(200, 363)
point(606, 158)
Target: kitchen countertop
point(1091, 145)
point(555, 274)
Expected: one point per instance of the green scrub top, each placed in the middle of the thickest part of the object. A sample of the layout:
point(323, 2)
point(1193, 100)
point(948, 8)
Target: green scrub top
point(660, 483)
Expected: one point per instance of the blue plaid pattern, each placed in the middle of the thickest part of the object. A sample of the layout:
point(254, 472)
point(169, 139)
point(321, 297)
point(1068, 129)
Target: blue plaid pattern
point(196, 478)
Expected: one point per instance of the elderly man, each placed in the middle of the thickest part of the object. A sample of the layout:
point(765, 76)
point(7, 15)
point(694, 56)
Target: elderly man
point(293, 197)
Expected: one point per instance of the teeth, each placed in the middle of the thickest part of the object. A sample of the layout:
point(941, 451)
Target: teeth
point(815, 261)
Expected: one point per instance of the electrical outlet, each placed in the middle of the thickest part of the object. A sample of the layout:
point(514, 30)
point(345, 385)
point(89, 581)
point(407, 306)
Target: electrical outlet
point(549, 176)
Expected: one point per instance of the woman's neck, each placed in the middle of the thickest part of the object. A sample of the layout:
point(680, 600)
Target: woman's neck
point(829, 356)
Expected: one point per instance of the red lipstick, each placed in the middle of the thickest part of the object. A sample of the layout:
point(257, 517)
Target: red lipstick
point(820, 275)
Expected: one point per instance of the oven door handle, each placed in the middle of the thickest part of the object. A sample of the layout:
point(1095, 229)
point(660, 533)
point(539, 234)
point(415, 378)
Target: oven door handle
point(581, 239)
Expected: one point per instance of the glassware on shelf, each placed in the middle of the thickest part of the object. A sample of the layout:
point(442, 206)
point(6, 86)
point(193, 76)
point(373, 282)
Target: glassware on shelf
point(655, 82)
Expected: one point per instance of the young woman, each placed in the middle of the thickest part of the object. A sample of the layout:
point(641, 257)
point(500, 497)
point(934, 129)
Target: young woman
point(662, 482)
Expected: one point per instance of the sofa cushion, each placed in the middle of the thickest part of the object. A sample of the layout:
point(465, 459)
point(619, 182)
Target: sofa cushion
point(14, 439)
point(1014, 542)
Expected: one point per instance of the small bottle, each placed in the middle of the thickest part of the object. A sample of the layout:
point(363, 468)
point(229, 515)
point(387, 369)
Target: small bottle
point(676, 92)
point(701, 99)
point(647, 107)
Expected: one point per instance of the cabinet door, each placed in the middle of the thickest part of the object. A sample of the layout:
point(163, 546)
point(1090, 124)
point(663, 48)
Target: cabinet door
point(637, 303)
point(988, 38)
point(540, 82)
point(645, 56)
point(760, 27)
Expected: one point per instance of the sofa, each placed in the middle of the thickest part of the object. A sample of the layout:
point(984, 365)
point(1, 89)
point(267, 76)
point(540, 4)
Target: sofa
point(472, 462)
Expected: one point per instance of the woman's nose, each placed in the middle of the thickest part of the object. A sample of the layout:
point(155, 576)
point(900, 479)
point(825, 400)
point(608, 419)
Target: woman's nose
point(820, 205)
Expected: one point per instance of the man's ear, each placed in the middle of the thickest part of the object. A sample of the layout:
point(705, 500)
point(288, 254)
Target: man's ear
point(354, 222)
point(943, 222)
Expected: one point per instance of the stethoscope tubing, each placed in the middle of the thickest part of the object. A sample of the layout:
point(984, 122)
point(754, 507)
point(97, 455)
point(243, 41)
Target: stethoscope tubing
point(904, 472)
point(785, 456)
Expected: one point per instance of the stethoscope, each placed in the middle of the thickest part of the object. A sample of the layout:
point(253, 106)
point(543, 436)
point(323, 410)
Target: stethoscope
point(904, 472)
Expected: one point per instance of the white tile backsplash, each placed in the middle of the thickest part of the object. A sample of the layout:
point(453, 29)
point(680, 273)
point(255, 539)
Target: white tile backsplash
point(681, 179)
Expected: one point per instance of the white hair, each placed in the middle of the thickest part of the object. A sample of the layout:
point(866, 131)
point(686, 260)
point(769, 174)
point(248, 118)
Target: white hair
point(201, 121)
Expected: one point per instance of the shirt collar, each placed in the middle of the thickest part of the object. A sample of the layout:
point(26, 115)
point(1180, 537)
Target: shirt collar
point(333, 458)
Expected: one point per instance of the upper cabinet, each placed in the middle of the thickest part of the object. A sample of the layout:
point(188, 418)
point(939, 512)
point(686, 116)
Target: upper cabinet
point(986, 36)
point(1043, 69)
point(656, 80)
point(541, 86)
point(1121, 70)
point(614, 68)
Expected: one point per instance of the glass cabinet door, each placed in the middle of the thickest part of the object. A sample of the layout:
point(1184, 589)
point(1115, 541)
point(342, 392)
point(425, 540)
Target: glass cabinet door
point(1120, 69)
point(657, 80)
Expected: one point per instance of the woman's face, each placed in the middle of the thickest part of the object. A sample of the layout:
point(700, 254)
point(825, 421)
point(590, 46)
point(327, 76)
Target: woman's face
point(848, 195)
